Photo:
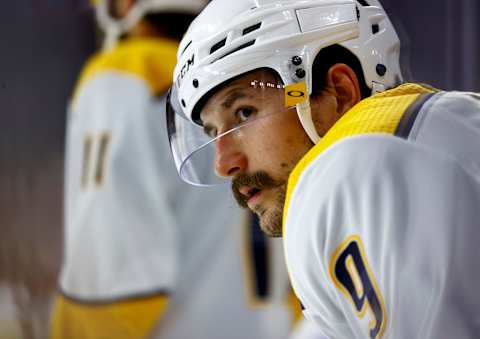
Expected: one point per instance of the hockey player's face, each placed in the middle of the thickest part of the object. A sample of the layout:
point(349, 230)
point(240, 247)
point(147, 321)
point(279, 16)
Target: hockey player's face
point(260, 155)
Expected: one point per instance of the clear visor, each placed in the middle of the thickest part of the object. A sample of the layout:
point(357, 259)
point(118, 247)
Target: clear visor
point(227, 124)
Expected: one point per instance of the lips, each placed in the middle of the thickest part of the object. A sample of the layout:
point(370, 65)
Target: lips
point(248, 188)
point(250, 194)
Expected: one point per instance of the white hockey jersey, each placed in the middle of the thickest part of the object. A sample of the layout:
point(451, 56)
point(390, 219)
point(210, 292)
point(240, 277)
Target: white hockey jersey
point(134, 229)
point(382, 230)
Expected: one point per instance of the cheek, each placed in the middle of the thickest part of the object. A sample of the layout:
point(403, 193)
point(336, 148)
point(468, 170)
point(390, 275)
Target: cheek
point(277, 146)
point(294, 142)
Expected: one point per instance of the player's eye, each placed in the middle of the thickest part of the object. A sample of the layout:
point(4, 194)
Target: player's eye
point(245, 113)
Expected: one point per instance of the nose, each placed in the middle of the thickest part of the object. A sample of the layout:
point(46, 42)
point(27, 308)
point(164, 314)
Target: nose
point(229, 160)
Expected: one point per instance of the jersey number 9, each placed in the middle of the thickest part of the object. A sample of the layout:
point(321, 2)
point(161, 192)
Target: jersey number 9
point(351, 274)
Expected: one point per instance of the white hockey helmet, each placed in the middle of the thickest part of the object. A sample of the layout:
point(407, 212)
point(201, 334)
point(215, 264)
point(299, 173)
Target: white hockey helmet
point(115, 27)
point(231, 38)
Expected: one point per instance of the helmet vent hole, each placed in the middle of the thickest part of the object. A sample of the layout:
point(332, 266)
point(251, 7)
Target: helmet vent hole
point(251, 28)
point(218, 45)
point(363, 3)
point(375, 29)
point(245, 45)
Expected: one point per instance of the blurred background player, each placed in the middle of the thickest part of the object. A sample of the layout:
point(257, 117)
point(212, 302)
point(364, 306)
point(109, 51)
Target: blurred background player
point(145, 254)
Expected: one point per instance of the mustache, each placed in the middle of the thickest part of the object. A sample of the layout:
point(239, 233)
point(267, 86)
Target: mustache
point(259, 180)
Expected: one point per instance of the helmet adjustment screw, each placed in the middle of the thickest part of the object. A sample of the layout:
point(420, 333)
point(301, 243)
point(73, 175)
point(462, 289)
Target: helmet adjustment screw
point(195, 83)
point(300, 73)
point(183, 103)
point(296, 60)
point(381, 69)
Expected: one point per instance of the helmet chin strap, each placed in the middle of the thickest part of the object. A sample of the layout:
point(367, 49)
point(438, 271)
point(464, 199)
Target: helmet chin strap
point(115, 27)
point(304, 113)
point(377, 87)
point(111, 38)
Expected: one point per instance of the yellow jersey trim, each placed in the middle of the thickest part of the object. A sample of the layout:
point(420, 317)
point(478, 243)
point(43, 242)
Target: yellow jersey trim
point(128, 319)
point(380, 113)
point(150, 59)
point(295, 308)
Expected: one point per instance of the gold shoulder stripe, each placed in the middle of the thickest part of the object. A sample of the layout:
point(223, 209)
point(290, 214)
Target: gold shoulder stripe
point(380, 113)
point(129, 319)
point(152, 60)
point(295, 307)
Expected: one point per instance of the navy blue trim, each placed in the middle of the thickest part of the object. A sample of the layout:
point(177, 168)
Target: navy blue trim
point(408, 119)
point(260, 256)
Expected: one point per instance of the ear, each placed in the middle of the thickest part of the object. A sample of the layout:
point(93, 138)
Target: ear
point(344, 86)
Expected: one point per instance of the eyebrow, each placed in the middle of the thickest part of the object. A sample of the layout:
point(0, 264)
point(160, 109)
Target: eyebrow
point(232, 97)
point(235, 95)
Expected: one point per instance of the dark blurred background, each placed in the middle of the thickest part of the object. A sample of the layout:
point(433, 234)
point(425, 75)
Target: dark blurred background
point(43, 46)
point(440, 41)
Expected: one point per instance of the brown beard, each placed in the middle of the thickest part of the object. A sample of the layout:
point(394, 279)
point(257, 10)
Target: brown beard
point(273, 225)
point(261, 180)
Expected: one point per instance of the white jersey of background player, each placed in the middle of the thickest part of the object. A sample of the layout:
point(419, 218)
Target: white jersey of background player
point(144, 252)
point(378, 195)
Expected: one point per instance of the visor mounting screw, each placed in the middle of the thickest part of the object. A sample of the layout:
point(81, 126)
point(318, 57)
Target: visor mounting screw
point(296, 60)
point(381, 69)
point(183, 103)
point(195, 83)
point(300, 73)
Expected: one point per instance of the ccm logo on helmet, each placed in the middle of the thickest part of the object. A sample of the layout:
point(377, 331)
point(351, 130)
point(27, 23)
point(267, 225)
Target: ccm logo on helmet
point(185, 68)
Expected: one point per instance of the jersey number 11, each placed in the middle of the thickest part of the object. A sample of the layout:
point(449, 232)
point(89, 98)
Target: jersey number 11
point(94, 155)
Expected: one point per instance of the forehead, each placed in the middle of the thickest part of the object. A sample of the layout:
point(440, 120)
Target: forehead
point(257, 86)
